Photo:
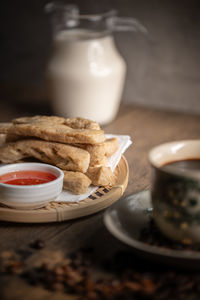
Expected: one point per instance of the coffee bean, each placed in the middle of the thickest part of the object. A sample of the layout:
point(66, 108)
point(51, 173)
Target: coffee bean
point(38, 244)
point(151, 235)
point(14, 267)
point(31, 277)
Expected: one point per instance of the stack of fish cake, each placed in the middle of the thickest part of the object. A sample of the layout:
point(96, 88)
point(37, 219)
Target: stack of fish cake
point(77, 146)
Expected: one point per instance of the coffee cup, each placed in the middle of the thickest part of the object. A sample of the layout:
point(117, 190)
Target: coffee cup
point(175, 189)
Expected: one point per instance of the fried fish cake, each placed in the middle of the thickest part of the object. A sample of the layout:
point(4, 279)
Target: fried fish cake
point(101, 176)
point(76, 182)
point(63, 156)
point(100, 152)
point(76, 123)
point(59, 133)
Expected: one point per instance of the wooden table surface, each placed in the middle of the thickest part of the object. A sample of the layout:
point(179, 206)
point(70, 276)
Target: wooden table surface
point(147, 128)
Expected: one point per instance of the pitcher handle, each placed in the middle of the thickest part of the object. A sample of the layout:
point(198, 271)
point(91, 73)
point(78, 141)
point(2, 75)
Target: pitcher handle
point(125, 24)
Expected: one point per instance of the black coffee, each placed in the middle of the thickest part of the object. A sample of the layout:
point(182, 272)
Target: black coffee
point(184, 165)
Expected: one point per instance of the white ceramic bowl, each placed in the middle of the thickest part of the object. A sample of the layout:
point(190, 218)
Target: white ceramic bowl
point(30, 196)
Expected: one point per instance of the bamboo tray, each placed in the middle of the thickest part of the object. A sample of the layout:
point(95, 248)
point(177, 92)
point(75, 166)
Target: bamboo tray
point(59, 211)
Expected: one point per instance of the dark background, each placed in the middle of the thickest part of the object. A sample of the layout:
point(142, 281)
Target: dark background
point(163, 68)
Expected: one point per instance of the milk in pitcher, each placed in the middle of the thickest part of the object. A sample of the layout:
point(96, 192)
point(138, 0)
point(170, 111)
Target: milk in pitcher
point(87, 75)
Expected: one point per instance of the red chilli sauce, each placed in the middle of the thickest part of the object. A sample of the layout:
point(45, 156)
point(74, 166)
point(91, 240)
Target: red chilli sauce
point(26, 177)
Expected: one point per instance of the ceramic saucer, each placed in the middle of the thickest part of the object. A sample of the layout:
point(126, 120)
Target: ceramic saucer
point(128, 216)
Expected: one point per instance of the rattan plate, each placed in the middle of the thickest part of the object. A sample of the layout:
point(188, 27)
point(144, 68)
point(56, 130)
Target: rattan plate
point(56, 212)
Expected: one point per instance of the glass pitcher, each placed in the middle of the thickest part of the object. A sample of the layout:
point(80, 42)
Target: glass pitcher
point(86, 71)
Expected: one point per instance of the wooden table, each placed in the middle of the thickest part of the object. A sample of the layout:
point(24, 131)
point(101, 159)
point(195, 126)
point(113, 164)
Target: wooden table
point(147, 128)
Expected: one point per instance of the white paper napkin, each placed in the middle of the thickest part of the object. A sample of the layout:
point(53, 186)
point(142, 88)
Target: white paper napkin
point(124, 141)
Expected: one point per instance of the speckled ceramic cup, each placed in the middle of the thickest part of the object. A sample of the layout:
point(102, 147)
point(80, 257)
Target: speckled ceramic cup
point(176, 194)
